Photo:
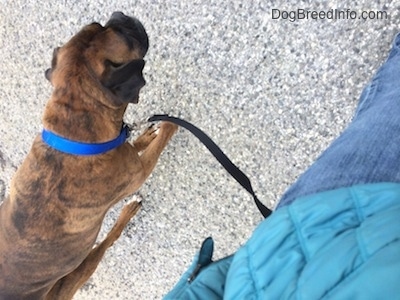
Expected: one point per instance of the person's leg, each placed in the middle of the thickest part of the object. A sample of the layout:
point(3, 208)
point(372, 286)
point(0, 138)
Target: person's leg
point(368, 151)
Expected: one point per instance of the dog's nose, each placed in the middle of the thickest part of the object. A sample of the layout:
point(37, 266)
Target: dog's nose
point(131, 26)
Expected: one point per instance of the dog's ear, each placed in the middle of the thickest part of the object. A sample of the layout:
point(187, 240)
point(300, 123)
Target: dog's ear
point(48, 72)
point(125, 81)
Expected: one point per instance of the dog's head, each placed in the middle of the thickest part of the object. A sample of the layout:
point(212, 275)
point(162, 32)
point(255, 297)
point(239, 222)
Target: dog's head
point(109, 56)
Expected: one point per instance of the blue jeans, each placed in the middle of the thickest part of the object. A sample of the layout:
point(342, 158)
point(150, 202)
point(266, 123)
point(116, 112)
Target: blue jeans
point(368, 151)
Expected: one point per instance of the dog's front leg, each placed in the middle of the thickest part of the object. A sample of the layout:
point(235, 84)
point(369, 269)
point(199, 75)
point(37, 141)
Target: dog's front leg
point(150, 156)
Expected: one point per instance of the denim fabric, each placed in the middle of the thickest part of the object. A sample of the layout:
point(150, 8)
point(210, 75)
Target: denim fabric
point(368, 151)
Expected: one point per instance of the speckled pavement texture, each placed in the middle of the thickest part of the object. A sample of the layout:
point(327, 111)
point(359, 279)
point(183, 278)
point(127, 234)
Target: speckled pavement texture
point(271, 92)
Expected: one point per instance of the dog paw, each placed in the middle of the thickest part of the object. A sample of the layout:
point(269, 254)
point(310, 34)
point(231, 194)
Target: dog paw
point(169, 127)
point(130, 209)
point(146, 137)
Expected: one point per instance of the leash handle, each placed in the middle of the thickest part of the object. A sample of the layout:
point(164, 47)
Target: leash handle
point(229, 166)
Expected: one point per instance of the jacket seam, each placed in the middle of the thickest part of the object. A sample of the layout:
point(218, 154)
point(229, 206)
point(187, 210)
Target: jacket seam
point(299, 235)
point(361, 218)
point(252, 270)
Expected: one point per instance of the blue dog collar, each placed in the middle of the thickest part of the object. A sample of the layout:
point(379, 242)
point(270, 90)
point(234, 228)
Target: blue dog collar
point(78, 148)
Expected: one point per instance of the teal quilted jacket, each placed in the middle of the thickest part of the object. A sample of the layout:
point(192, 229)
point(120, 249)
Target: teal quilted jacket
point(341, 244)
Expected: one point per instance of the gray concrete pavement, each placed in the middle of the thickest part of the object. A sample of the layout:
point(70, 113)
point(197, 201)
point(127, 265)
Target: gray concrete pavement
point(273, 93)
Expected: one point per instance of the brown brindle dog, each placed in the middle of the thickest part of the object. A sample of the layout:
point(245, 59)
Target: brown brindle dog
point(57, 202)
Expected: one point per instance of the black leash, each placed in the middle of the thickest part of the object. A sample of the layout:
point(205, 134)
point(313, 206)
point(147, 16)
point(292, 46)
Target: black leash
point(219, 155)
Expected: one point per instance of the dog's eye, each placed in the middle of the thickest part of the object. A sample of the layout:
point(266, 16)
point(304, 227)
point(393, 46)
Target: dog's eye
point(110, 63)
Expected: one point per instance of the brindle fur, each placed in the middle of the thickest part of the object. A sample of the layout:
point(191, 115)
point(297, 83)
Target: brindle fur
point(57, 202)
